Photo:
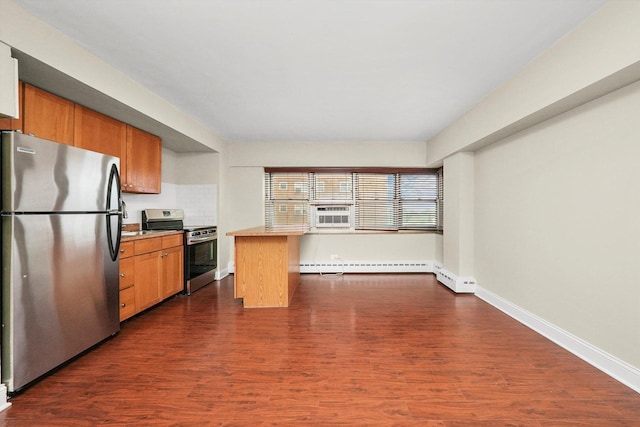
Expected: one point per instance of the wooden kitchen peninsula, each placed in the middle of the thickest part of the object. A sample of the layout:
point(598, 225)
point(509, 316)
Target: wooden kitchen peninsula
point(267, 265)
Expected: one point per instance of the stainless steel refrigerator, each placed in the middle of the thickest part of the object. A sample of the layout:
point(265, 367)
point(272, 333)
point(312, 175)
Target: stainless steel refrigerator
point(61, 228)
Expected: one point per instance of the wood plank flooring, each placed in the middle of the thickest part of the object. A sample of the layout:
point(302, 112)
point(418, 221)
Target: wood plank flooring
point(351, 350)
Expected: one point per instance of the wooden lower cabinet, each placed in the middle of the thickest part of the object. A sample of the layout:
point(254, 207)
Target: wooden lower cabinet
point(172, 271)
point(147, 280)
point(127, 281)
point(157, 270)
point(127, 303)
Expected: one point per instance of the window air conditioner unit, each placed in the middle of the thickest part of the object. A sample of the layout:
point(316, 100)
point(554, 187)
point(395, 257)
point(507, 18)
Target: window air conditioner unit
point(333, 216)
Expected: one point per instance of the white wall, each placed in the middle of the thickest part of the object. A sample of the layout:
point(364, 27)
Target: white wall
point(601, 55)
point(555, 234)
point(246, 195)
point(457, 251)
point(557, 229)
point(189, 182)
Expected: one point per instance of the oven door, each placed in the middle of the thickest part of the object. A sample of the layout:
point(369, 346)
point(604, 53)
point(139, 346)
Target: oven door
point(200, 263)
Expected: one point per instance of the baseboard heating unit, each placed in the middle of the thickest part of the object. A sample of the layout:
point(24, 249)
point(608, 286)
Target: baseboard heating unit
point(337, 266)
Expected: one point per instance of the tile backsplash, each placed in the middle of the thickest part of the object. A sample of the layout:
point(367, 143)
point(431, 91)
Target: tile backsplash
point(199, 203)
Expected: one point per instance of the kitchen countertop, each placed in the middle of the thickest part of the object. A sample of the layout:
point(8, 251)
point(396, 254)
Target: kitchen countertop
point(270, 231)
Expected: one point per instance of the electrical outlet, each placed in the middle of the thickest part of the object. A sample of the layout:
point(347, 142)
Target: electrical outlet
point(334, 256)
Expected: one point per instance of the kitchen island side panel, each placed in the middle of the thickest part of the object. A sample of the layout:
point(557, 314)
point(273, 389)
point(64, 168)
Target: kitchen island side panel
point(266, 280)
point(293, 246)
point(267, 266)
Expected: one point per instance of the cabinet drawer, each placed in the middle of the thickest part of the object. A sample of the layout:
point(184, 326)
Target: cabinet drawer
point(144, 246)
point(127, 273)
point(172, 241)
point(127, 303)
point(126, 249)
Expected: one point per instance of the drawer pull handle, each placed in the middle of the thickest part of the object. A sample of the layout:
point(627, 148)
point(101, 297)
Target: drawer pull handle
point(123, 305)
point(122, 274)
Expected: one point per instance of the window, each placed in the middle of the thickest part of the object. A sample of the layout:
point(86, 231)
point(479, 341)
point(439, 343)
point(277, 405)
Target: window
point(418, 201)
point(286, 199)
point(332, 187)
point(381, 198)
point(376, 203)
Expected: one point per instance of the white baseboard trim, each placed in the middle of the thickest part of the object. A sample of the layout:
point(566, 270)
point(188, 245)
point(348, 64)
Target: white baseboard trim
point(221, 273)
point(353, 266)
point(610, 365)
point(3, 398)
point(459, 285)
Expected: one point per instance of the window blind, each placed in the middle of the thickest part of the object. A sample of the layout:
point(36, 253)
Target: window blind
point(418, 201)
point(286, 199)
point(440, 213)
point(332, 186)
point(376, 204)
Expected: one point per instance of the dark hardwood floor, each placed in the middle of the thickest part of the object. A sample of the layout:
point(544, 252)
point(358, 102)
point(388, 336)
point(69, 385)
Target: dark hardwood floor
point(351, 350)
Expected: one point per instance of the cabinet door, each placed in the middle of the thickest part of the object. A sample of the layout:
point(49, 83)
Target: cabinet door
point(147, 279)
point(172, 271)
point(15, 124)
point(144, 162)
point(47, 116)
point(127, 291)
point(127, 249)
point(127, 303)
point(127, 273)
point(97, 132)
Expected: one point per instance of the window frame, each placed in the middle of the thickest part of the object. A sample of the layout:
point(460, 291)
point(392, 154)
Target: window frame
point(432, 221)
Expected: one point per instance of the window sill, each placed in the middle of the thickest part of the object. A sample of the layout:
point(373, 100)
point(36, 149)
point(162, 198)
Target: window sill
point(343, 232)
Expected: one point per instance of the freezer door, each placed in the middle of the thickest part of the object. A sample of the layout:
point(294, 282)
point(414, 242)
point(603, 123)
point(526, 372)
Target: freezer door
point(60, 294)
point(44, 176)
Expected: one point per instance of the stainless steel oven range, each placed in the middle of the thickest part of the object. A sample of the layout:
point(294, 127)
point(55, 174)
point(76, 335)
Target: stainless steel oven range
point(200, 245)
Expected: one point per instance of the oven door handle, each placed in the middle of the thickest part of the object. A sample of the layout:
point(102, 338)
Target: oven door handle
point(191, 241)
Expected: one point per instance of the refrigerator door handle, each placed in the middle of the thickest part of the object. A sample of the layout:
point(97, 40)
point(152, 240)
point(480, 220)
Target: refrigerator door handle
point(114, 177)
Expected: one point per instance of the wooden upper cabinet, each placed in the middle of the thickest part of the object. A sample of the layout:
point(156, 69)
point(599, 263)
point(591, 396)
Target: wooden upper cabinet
point(96, 132)
point(47, 115)
point(141, 173)
point(15, 124)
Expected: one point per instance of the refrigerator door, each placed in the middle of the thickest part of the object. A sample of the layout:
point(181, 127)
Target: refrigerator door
point(60, 294)
point(44, 176)
point(114, 213)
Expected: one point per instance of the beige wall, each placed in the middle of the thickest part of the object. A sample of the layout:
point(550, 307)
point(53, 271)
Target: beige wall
point(557, 229)
point(554, 189)
point(197, 168)
point(457, 245)
point(345, 154)
point(246, 195)
point(598, 57)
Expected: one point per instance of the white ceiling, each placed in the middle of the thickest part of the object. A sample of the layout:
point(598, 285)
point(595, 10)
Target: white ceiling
point(318, 70)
